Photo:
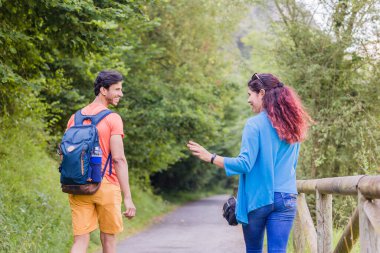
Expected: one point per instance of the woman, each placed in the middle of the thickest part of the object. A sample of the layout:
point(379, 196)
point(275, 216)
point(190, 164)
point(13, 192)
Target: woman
point(266, 164)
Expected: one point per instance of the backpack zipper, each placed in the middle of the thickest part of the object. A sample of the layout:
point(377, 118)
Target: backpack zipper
point(82, 162)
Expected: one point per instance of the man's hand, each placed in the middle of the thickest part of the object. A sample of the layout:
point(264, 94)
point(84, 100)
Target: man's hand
point(130, 209)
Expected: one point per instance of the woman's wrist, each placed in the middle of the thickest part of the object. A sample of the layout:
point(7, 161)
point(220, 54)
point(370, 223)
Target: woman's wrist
point(212, 159)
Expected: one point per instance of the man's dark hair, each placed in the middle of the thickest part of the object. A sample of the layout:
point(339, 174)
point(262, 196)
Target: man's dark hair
point(105, 79)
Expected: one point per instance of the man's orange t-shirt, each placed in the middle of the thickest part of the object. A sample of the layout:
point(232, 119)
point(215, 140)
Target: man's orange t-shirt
point(112, 124)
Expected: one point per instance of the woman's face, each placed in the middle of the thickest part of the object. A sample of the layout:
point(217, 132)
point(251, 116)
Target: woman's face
point(256, 100)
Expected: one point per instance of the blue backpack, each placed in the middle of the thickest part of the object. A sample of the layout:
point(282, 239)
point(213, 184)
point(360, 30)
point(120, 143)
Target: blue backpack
point(81, 156)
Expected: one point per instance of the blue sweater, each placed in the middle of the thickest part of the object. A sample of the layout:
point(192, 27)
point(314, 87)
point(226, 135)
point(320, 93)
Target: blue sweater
point(266, 164)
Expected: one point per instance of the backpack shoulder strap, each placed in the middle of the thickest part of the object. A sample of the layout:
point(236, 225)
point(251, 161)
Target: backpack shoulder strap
point(101, 115)
point(79, 118)
point(108, 163)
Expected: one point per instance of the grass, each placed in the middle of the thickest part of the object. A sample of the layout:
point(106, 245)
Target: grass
point(179, 198)
point(34, 213)
point(337, 233)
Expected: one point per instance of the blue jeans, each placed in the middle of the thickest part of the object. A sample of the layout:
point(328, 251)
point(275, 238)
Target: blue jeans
point(276, 218)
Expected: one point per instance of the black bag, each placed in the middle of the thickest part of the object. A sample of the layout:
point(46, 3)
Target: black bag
point(229, 211)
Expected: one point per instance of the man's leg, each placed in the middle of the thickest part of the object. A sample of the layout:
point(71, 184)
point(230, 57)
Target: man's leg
point(84, 220)
point(109, 215)
point(108, 242)
point(80, 243)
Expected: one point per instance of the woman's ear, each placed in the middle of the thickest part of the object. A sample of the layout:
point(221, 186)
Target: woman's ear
point(262, 92)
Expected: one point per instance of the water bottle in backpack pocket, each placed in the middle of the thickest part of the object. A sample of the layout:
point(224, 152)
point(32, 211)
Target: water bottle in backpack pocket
point(96, 166)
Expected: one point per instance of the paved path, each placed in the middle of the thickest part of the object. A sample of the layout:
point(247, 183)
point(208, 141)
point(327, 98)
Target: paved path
point(196, 227)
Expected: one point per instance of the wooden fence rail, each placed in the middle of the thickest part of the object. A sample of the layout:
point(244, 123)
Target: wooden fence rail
point(364, 222)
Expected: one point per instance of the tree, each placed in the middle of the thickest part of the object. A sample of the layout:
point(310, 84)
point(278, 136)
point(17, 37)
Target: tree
point(336, 80)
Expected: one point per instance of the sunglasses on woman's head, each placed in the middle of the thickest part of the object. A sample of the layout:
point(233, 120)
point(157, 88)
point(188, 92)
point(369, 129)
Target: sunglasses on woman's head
point(256, 77)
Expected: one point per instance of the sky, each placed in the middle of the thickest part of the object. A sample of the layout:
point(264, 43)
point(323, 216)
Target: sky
point(367, 37)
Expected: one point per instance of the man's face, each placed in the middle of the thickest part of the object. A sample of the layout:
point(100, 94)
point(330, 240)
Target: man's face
point(114, 93)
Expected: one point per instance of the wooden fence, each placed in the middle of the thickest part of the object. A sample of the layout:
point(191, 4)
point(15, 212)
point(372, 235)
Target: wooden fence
point(364, 222)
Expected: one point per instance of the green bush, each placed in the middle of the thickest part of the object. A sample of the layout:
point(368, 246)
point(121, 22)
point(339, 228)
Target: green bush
point(34, 213)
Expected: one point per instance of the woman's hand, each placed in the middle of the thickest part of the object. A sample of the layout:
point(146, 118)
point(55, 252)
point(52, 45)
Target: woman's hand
point(199, 151)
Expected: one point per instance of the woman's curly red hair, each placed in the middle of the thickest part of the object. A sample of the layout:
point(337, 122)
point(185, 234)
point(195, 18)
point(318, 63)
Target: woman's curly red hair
point(283, 106)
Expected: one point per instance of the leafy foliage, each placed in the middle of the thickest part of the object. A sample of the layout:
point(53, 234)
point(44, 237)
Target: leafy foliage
point(170, 53)
point(177, 86)
point(340, 86)
point(335, 72)
point(181, 82)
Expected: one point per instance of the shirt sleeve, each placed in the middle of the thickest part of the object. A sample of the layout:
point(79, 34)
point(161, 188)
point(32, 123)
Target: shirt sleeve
point(248, 152)
point(116, 124)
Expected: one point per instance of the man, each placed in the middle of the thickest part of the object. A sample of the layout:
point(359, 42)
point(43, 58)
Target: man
point(103, 209)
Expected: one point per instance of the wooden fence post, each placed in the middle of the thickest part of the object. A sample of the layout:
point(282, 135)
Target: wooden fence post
point(369, 240)
point(366, 217)
point(304, 235)
point(299, 241)
point(324, 222)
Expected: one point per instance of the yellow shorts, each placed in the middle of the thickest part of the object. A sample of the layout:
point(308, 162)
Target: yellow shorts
point(103, 208)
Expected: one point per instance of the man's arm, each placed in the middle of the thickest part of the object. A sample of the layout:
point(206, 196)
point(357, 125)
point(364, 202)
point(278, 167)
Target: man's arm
point(121, 168)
